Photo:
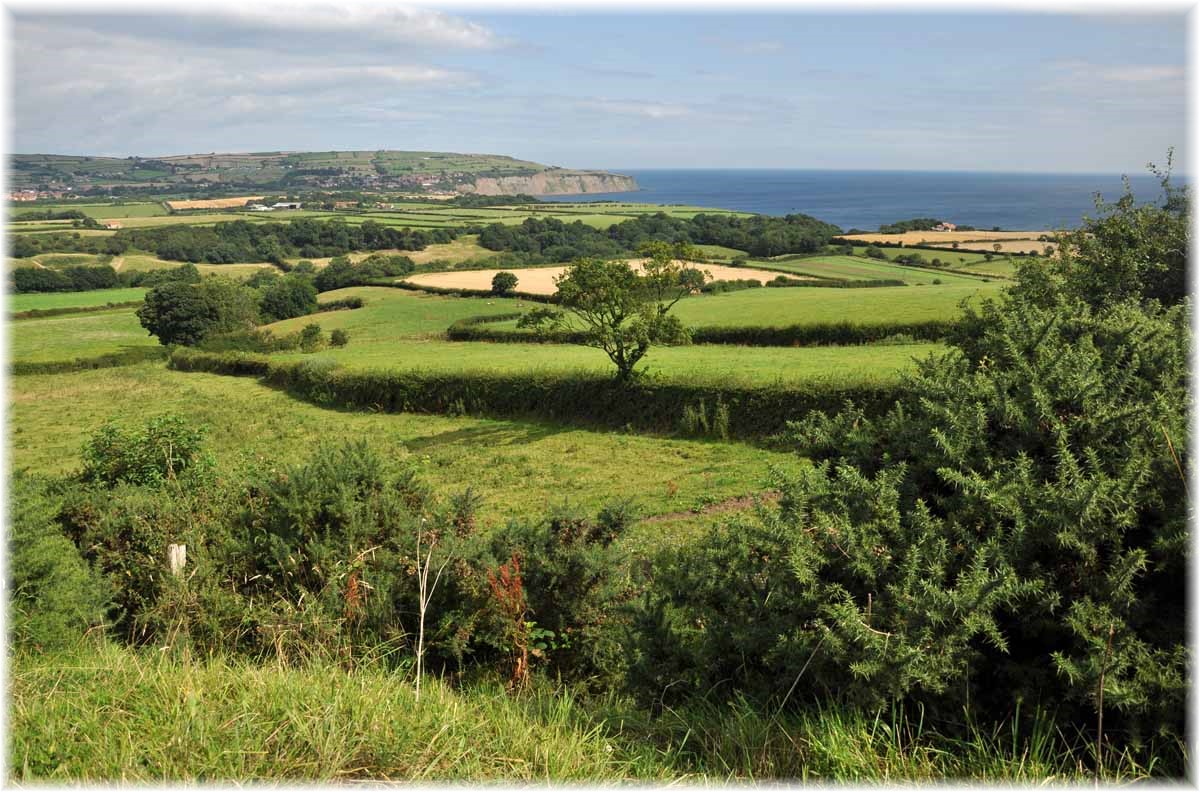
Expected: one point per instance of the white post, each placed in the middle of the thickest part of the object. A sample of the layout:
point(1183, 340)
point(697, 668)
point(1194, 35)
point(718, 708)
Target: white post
point(177, 558)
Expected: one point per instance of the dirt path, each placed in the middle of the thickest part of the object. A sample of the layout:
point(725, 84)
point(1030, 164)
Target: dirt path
point(733, 504)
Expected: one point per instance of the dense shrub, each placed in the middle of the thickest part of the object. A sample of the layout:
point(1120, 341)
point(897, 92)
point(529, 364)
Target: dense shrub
point(311, 338)
point(339, 338)
point(345, 304)
point(504, 283)
point(245, 241)
point(783, 281)
point(183, 313)
point(38, 279)
point(158, 452)
point(1014, 529)
point(287, 298)
point(260, 339)
point(551, 240)
point(723, 286)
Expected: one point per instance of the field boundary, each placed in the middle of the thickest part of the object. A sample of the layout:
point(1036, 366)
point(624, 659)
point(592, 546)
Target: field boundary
point(409, 286)
point(646, 405)
point(42, 313)
point(827, 334)
point(129, 357)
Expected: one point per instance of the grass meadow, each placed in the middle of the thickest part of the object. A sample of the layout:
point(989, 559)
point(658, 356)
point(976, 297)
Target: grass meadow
point(115, 713)
point(855, 268)
point(49, 300)
point(521, 469)
point(82, 335)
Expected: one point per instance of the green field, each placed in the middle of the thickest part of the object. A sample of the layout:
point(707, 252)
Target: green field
point(955, 258)
point(141, 262)
point(29, 302)
point(390, 314)
point(719, 252)
point(401, 329)
point(718, 364)
point(781, 307)
point(100, 211)
point(73, 336)
point(520, 468)
point(855, 268)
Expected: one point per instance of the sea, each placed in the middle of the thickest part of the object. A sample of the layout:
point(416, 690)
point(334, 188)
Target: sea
point(868, 199)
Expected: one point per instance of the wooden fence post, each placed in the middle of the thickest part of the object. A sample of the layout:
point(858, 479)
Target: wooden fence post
point(177, 558)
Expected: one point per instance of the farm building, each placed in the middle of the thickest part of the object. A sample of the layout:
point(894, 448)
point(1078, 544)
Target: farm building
point(286, 205)
point(945, 227)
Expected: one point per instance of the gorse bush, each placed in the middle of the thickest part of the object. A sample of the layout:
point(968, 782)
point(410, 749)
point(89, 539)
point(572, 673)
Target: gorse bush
point(311, 338)
point(1015, 529)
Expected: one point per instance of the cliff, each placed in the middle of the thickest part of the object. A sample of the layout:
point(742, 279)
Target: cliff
point(553, 181)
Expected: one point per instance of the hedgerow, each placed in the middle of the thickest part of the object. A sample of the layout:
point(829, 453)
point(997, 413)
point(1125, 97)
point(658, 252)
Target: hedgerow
point(830, 283)
point(409, 286)
point(827, 334)
point(42, 313)
point(649, 405)
point(129, 357)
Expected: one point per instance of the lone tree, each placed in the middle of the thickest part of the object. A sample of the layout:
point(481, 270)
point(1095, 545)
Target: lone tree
point(503, 283)
point(185, 313)
point(624, 312)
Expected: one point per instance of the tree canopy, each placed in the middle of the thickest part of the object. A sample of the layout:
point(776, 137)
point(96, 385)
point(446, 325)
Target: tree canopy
point(625, 312)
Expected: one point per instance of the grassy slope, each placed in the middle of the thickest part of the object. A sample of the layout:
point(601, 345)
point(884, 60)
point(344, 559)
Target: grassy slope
point(110, 714)
point(778, 307)
point(854, 268)
point(699, 363)
point(26, 302)
point(77, 335)
point(388, 332)
point(520, 469)
point(390, 314)
point(951, 255)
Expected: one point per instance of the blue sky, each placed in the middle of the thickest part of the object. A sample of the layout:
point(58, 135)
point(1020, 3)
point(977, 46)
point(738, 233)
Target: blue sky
point(929, 90)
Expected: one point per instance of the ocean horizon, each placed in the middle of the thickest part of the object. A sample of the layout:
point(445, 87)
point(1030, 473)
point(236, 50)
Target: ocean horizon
point(867, 199)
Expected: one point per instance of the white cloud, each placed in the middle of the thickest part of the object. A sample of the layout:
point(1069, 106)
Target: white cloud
point(399, 25)
point(654, 110)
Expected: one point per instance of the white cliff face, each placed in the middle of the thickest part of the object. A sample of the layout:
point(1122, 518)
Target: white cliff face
point(555, 181)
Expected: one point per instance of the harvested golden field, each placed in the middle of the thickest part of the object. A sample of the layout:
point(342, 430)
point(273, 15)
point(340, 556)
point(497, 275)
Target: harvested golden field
point(213, 203)
point(540, 280)
point(946, 237)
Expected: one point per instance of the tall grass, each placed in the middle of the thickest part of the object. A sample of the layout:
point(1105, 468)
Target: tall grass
point(111, 714)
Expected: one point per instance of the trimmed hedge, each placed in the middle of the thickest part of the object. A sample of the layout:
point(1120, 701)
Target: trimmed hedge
point(41, 313)
point(129, 357)
point(828, 334)
point(648, 405)
point(347, 304)
point(542, 298)
point(829, 283)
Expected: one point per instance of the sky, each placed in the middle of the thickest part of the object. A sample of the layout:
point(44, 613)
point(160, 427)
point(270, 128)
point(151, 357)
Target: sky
point(700, 89)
